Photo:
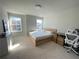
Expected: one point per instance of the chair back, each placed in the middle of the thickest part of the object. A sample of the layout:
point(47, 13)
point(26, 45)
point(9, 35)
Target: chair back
point(71, 37)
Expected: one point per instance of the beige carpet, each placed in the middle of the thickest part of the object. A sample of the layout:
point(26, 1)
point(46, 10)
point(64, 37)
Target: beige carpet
point(48, 50)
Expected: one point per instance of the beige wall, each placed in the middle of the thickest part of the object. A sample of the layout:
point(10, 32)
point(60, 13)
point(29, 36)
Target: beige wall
point(67, 19)
point(31, 22)
point(1, 27)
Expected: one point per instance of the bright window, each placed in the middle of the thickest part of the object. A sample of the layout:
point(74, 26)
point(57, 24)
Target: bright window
point(15, 24)
point(39, 24)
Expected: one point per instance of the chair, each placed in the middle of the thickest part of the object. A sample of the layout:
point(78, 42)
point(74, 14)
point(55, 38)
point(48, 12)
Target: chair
point(71, 40)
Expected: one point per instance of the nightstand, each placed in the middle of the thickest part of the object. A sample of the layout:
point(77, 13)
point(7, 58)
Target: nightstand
point(54, 38)
point(60, 39)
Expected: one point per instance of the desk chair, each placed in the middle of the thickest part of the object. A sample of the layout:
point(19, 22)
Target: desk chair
point(72, 40)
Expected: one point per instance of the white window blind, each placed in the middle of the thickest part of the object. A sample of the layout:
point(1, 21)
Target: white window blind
point(15, 24)
point(39, 24)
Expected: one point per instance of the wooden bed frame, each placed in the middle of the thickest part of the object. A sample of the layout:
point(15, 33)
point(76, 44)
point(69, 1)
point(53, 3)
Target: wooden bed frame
point(38, 41)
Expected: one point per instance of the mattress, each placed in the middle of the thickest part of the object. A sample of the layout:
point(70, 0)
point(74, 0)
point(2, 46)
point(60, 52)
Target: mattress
point(40, 34)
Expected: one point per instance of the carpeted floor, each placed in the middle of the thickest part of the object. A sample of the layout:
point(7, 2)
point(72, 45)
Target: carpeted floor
point(48, 50)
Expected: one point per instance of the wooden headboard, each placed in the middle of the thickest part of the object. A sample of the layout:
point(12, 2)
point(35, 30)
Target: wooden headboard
point(51, 29)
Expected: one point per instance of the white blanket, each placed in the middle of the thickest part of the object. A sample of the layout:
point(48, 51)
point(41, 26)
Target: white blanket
point(40, 34)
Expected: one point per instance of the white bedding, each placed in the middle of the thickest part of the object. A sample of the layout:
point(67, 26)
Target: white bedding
point(40, 34)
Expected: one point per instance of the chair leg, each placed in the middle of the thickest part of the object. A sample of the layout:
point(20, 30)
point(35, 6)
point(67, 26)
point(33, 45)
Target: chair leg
point(75, 51)
point(70, 48)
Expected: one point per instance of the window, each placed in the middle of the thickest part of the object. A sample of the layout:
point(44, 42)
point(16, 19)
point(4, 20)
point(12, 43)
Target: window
point(39, 23)
point(15, 24)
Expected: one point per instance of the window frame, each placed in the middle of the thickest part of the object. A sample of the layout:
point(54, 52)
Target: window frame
point(11, 25)
point(41, 24)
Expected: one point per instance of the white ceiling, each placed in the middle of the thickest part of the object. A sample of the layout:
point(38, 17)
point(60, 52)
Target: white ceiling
point(49, 7)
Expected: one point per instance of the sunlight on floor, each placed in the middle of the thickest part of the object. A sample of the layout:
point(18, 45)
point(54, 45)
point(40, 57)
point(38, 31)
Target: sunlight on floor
point(11, 47)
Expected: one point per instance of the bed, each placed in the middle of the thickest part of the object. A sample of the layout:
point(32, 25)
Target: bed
point(41, 36)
